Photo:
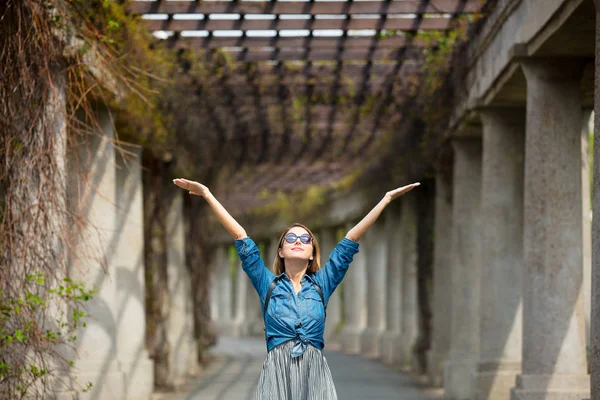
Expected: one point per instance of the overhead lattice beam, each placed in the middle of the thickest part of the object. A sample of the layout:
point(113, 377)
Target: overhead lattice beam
point(211, 25)
point(350, 42)
point(276, 54)
point(294, 7)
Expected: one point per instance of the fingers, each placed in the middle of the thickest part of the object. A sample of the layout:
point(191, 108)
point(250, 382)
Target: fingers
point(402, 190)
point(180, 182)
point(406, 188)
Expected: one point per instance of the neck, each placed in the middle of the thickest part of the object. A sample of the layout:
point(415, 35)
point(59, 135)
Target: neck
point(295, 270)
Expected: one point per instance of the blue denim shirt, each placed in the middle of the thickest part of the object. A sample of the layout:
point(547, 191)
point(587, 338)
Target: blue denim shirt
point(290, 316)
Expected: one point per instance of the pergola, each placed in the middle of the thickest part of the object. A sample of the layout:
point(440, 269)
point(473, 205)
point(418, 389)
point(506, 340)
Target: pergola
point(317, 82)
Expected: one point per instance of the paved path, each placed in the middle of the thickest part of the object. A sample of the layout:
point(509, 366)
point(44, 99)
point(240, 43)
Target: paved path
point(233, 373)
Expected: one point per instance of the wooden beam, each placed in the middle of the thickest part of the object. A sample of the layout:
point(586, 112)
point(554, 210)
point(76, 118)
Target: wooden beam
point(319, 55)
point(403, 24)
point(296, 7)
point(294, 42)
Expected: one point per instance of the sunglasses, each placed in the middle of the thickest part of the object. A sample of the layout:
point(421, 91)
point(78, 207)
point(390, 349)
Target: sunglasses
point(292, 237)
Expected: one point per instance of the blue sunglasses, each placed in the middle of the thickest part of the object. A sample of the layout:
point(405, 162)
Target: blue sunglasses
point(292, 237)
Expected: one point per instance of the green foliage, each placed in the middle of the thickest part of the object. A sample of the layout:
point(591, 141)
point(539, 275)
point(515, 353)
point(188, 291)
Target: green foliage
point(21, 329)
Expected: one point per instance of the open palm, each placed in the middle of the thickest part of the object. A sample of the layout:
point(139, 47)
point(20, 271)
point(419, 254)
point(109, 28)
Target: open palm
point(192, 186)
point(392, 194)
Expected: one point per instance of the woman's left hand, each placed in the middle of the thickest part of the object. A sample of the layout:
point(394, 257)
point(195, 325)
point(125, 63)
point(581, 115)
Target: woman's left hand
point(392, 194)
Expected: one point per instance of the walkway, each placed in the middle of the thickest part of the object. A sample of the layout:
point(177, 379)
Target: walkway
point(234, 372)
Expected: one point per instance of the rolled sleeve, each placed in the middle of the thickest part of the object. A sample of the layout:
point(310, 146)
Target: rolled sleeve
point(254, 266)
point(332, 274)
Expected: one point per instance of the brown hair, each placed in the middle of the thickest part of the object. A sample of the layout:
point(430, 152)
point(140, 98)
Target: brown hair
point(313, 265)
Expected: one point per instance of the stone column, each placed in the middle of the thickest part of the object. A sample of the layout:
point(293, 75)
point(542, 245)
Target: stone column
point(376, 282)
point(215, 307)
point(502, 255)
point(181, 316)
point(586, 220)
point(91, 192)
point(393, 332)
point(410, 308)
point(131, 291)
point(554, 357)
point(442, 290)
point(466, 262)
point(254, 321)
point(224, 291)
point(327, 242)
point(240, 327)
point(355, 300)
point(595, 291)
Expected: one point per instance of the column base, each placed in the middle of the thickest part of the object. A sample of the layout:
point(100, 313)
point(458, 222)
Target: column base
point(551, 387)
point(406, 355)
point(495, 379)
point(225, 328)
point(350, 339)
point(459, 379)
point(107, 380)
point(183, 359)
point(241, 328)
point(435, 369)
point(389, 350)
point(370, 343)
point(139, 377)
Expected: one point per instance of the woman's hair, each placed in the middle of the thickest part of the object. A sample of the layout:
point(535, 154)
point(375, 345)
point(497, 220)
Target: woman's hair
point(313, 265)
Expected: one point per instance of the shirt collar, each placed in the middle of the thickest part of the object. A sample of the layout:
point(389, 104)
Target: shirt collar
point(307, 276)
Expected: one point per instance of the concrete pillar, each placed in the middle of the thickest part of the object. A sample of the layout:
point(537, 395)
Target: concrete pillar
point(215, 307)
point(554, 356)
point(254, 321)
point(181, 316)
point(224, 291)
point(91, 194)
point(595, 290)
point(355, 301)
point(271, 252)
point(500, 325)
point(376, 285)
point(442, 290)
point(410, 305)
point(393, 332)
point(586, 220)
point(242, 287)
point(327, 242)
point(466, 262)
point(131, 316)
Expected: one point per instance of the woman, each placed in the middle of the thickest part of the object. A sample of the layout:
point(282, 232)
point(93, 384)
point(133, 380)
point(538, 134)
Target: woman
point(294, 300)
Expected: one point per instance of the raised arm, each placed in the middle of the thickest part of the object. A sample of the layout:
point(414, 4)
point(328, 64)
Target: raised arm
point(228, 222)
point(363, 226)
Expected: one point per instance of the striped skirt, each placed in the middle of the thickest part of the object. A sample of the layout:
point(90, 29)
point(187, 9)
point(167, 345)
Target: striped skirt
point(306, 377)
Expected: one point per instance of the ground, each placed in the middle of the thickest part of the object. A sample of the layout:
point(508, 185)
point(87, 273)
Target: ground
point(236, 363)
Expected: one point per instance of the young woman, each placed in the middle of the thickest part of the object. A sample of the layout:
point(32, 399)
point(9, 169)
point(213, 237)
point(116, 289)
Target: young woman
point(294, 299)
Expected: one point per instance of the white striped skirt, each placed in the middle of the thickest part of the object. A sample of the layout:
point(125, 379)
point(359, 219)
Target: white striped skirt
point(306, 377)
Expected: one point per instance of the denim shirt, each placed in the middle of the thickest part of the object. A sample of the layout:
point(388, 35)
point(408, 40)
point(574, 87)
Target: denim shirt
point(292, 316)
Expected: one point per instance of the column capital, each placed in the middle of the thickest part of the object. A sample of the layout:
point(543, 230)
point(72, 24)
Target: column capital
point(507, 115)
point(553, 68)
point(461, 142)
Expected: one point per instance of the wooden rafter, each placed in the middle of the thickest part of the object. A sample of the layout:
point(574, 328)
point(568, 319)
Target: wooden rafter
point(366, 77)
point(212, 25)
point(387, 97)
point(294, 7)
point(291, 52)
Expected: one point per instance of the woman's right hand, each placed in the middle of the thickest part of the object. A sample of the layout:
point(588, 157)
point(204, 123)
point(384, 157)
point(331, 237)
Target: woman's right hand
point(192, 186)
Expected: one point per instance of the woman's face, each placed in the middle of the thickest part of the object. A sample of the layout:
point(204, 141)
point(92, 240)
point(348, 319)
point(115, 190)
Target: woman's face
point(297, 249)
